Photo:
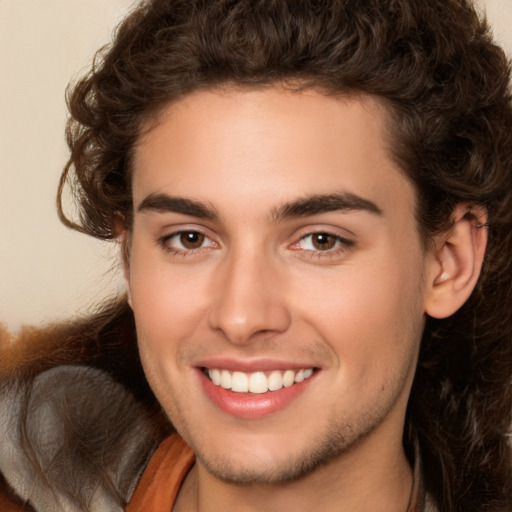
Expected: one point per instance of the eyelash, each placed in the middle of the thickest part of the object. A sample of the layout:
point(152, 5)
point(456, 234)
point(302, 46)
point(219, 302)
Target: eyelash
point(341, 246)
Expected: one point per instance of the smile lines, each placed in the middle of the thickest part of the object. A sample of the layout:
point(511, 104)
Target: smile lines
point(257, 382)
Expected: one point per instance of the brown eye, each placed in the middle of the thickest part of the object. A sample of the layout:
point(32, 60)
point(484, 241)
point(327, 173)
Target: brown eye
point(323, 241)
point(188, 242)
point(323, 244)
point(191, 239)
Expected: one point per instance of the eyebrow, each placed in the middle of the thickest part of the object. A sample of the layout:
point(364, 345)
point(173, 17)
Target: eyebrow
point(317, 204)
point(303, 207)
point(161, 203)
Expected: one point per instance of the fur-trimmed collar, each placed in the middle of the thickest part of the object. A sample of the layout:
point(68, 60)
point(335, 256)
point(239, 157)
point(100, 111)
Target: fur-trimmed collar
point(73, 439)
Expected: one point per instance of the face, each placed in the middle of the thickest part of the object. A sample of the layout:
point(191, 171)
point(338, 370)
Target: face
point(275, 273)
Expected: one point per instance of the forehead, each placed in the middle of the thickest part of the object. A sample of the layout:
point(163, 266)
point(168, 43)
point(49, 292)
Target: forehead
point(258, 148)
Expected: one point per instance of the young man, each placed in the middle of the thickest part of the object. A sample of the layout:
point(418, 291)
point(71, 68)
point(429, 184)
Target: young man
point(314, 208)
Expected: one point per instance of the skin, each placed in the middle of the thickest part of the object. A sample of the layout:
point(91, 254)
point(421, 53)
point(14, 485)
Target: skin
point(257, 288)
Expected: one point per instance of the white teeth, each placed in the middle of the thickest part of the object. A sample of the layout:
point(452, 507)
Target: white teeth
point(225, 379)
point(239, 382)
point(257, 382)
point(288, 378)
point(215, 376)
point(275, 381)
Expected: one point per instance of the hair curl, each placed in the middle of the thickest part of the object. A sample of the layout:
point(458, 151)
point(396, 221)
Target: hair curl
point(446, 86)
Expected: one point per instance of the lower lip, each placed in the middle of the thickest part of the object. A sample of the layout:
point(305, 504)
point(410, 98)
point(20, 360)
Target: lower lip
point(252, 406)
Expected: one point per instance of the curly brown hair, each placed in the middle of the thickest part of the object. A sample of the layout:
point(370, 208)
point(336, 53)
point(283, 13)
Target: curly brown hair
point(446, 86)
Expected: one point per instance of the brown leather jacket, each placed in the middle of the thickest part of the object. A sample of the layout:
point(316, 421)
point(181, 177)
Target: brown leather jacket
point(78, 421)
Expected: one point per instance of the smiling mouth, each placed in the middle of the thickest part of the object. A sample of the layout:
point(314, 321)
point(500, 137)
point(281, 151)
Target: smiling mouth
point(257, 382)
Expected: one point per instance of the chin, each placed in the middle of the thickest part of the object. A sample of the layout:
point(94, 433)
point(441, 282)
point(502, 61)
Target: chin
point(267, 468)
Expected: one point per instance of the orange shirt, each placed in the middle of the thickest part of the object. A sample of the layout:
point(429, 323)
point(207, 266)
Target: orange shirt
point(160, 483)
point(8, 501)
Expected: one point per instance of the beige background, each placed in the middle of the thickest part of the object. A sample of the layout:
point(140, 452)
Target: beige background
point(47, 272)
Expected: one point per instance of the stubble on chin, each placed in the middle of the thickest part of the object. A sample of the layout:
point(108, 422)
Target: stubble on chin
point(319, 452)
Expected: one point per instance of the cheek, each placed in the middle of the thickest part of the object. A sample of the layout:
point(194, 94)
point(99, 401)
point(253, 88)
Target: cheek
point(166, 299)
point(370, 313)
point(166, 313)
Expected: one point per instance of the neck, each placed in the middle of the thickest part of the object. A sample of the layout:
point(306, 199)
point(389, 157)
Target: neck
point(372, 477)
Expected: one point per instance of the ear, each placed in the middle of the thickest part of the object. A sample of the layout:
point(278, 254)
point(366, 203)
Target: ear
point(455, 263)
point(124, 240)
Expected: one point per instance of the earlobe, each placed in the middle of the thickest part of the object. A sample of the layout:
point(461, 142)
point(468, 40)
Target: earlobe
point(128, 293)
point(455, 264)
point(124, 241)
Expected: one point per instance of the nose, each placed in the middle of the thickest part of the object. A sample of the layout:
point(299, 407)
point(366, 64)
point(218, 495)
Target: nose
point(249, 300)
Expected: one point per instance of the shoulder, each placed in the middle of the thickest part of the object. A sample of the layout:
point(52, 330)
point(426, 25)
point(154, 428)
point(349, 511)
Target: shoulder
point(71, 436)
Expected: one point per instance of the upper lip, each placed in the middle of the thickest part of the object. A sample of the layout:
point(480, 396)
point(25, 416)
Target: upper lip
point(252, 365)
